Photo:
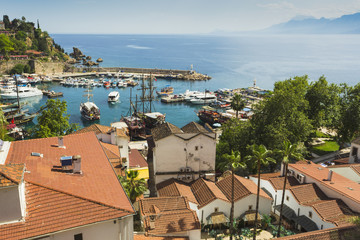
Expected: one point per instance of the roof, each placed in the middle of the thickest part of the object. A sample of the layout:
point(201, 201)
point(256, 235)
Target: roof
point(277, 181)
point(143, 237)
point(205, 192)
point(194, 127)
point(330, 210)
point(136, 159)
point(97, 128)
point(170, 215)
point(113, 154)
point(338, 233)
point(164, 130)
point(354, 166)
point(338, 183)
point(242, 188)
point(175, 188)
point(50, 211)
point(11, 174)
point(98, 181)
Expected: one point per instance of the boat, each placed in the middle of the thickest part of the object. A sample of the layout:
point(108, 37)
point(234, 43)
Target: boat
point(52, 94)
point(113, 97)
point(212, 117)
point(207, 98)
point(88, 109)
point(136, 127)
point(107, 84)
point(152, 119)
point(21, 92)
point(188, 95)
point(122, 84)
point(166, 91)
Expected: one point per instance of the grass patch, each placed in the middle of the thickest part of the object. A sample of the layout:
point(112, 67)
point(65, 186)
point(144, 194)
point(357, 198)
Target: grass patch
point(322, 135)
point(327, 147)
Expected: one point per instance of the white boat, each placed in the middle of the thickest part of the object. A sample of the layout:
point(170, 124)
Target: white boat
point(24, 92)
point(191, 95)
point(204, 99)
point(88, 109)
point(113, 97)
point(122, 84)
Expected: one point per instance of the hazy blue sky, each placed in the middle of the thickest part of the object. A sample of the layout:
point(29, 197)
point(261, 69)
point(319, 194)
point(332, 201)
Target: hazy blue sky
point(169, 16)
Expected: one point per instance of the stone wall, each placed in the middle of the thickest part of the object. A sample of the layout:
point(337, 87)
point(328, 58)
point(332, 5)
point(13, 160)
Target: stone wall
point(132, 70)
point(47, 68)
point(6, 66)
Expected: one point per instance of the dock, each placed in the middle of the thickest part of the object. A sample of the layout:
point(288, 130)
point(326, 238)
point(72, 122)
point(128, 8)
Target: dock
point(188, 75)
point(172, 99)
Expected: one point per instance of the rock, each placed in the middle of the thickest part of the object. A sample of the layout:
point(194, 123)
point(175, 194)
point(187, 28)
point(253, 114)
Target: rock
point(99, 60)
point(77, 54)
point(88, 57)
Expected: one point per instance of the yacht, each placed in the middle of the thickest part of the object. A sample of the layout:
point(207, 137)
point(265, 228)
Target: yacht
point(24, 92)
point(191, 95)
point(204, 99)
point(113, 97)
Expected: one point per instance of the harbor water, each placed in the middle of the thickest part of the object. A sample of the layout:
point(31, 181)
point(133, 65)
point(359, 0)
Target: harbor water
point(231, 61)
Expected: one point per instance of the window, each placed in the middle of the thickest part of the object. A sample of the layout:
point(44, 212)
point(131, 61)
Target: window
point(196, 148)
point(216, 209)
point(354, 151)
point(287, 198)
point(250, 207)
point(310, 214)
point(78, 236)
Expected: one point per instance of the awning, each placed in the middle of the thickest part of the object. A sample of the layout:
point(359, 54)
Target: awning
point(217, 218)
point(306, 223)
point(287, 212)
point(249, 216)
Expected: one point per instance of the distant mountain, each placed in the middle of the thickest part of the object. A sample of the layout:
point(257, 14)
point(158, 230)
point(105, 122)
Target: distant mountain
point(347, 24)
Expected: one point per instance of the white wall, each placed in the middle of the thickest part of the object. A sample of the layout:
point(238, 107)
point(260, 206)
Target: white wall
point(173, 153)
point(123, 145)
point(194, 234)
point(205, 211)
point(10, 208)
point(355, 206)
point(106, 138)
point(121, 230)
point(242, 205)
point(276, 194)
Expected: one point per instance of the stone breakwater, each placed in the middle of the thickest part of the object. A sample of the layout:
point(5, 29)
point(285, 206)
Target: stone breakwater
point(158, 73)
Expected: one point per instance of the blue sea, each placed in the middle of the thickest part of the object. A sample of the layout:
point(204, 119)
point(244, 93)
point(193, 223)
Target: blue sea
point(231, 61)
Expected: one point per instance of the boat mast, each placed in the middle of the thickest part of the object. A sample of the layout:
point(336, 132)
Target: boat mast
point(17, 92)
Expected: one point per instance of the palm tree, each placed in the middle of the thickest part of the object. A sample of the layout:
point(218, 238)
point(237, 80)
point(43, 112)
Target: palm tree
point(260, 156)
point(234, 161)
point(237, 103)
point(289, 152)
point(134, 187)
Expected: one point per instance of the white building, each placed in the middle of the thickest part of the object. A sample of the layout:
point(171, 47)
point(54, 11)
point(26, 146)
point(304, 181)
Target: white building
point(355, 151)
point(187, 153)
point(210, 199)
point(44, 195)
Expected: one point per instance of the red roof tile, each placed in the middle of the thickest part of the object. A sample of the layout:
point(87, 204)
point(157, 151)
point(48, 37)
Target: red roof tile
point(50, 211)
point(97, 128)
point(143, 237)
point(206, 192)
point(175, 188)
point(136, 159)
point(98, 182)
point(11, 174)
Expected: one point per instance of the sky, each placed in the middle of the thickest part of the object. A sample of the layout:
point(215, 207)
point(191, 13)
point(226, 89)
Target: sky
point(169, 16)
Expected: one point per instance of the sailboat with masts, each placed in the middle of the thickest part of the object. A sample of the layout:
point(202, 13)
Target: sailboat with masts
point(88, 109)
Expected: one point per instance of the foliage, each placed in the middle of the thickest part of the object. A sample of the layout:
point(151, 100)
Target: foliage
point(53, 120)
point(20, 68)
point(237, 103)
point(3, 128)
point(6, 21)
point(5, 45)
point(283, 232)
point(21, 35)
point(327, 147)
point(133, 188)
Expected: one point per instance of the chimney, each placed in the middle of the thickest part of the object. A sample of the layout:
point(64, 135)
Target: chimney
point(329, 175)
point(61, 142)
point(77, 164)
point(152, 221)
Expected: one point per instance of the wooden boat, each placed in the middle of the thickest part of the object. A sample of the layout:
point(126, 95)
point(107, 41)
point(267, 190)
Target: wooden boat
point(166, 91)
point(208, 115)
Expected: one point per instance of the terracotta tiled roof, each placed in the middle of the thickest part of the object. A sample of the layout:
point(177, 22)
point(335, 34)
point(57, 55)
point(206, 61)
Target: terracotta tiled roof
point(122, 132)
point(98, 181)
point(194, 127)
point(175, 188)
point(136, 159)
point(242, 188)
point(50, 211)
point(11, 174)
point(111, 150)
point(206, 192)
point(338, 183)
point(164, 130)
point(170, 215)
point(278, 182)
point(97, 128)
point(143, 237)
point(330, 210)
point(338, 233)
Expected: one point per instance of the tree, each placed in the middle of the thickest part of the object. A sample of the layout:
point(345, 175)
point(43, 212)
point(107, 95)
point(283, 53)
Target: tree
point(237, 103)
point(53, 120)
point(234, 161)
point(17, 69)
point(134, 188)
point(288, 153)
point(6, 21)
point(6, 45)
point(259, 156)
point(21, 35)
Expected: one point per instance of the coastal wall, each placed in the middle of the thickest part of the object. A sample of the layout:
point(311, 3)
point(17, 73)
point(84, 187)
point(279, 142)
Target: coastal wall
point(133, 70)
point(6, 66)
point(47, 68)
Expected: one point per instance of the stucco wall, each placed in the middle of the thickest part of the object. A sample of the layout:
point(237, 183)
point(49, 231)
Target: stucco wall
point(222, 206)
point(121, 230)
point(242, 205)
point(10, 208)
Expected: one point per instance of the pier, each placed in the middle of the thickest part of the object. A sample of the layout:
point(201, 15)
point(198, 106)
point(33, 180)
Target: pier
point(189, 75)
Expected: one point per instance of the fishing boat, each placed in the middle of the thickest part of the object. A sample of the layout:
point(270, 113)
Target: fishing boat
point(88, 109)
point(113, 97)
point(166, 91)
point(107, 84)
